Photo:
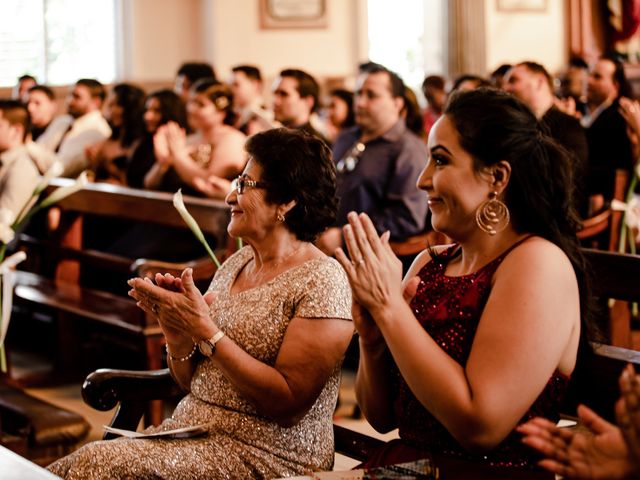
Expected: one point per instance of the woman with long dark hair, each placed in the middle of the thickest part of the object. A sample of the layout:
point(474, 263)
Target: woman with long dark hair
point(161, 107)
point(489, 336)
point(123, 110)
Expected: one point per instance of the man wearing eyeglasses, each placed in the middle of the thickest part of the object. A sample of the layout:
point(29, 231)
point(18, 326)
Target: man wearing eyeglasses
point(379, 162)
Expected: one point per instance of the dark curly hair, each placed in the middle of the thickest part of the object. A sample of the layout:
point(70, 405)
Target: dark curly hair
point(297, 166)
point(493, 126)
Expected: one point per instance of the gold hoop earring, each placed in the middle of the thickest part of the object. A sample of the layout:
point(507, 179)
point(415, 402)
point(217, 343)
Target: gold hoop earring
point(280, 217)
point(492, 216)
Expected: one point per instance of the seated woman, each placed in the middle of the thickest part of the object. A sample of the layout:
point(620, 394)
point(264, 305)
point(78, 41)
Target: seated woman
point(123, 110)
point(260, 353)
point(607, 452)
point(211, 157)
point(490, 335)
point(161, 107)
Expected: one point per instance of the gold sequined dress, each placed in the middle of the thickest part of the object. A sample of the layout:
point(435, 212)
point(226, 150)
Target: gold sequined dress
point(241, 443)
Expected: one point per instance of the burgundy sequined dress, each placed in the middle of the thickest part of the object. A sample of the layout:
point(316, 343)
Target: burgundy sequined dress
point(449, 309)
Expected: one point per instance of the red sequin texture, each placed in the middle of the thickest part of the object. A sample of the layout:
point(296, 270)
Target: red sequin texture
point(449, 309)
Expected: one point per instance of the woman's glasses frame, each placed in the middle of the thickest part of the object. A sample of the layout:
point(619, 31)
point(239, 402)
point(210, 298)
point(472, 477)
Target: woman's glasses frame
point(241, 182)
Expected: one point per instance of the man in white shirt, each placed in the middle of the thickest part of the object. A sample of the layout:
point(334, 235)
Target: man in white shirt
point(68, 135)
point(18, 174)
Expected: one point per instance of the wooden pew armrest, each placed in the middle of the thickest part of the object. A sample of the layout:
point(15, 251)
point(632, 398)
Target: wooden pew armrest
point(203, 268)
point(105, 388)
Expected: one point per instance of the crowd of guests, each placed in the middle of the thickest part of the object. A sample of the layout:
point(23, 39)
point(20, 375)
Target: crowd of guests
point(504, 167)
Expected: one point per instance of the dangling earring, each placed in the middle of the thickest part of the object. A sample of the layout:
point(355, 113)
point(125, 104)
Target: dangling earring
point(280, 217)
point(493, 215)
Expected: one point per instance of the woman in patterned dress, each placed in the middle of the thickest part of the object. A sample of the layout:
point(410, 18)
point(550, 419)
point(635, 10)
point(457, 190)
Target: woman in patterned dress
point(489, 335)
point(260, 352)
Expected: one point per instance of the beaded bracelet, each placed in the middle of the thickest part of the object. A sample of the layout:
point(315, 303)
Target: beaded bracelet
point(180, 359)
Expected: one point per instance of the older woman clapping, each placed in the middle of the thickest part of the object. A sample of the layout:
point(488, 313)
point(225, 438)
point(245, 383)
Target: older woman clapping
point(261, 351)
point(491, 334)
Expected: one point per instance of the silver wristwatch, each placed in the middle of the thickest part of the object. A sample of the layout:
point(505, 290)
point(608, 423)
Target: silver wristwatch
point(208, 346)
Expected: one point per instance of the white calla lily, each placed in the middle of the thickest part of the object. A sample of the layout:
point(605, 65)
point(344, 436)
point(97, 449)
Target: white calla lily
point(631, 211)
point(63, 192)
point(6, 217)
point(6, 233)
point(55, 170)
point(10, 263)
point(178, 203)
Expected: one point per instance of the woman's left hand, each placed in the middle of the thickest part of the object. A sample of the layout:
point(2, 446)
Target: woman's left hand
point(600, 454)
point(375, 273)
point(177, 303)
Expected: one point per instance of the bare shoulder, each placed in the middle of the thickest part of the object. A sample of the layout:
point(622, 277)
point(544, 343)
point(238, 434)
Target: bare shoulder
point(423, 258)
point(233, 135)
point(537, 257)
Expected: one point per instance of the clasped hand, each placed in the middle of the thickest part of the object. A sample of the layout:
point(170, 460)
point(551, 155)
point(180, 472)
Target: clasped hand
point(375, 274)
point(182, 311)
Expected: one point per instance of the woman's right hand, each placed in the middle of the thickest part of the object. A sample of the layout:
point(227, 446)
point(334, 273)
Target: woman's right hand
point(364, 324)
point(176, 139)
point(161, 146)
point(368, 331)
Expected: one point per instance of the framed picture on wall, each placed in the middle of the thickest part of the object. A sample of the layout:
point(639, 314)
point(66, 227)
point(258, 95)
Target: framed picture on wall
point(293, 14)
point(522, 5)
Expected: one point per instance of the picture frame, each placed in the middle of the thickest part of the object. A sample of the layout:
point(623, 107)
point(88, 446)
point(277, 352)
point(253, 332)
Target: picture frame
point(277, 14)
point(516, 6)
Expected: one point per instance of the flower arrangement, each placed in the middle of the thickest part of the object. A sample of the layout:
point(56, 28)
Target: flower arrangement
point(9, 224)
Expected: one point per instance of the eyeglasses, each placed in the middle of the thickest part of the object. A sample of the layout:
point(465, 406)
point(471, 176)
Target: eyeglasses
point(240, 183)
point(349, 161)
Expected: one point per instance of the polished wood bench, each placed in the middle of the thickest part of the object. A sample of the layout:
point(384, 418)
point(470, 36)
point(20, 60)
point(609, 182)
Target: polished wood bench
point(57, 288)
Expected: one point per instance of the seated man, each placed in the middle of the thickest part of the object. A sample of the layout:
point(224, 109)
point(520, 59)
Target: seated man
point(68, 135)
point(295, 98)
point(18, 174)
point(531, 83)
point(20, 89)
point(188, 74)
point(41, 103)
point(379, 162)
point(248, 104)
point(606, 129)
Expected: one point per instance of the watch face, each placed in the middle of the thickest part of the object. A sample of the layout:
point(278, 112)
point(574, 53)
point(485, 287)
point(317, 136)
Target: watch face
point(205, 348)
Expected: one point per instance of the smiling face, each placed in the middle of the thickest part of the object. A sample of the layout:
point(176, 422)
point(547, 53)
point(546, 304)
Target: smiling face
point(455, 189)
point(252, 218)
point(202, 112)
point(152, 114)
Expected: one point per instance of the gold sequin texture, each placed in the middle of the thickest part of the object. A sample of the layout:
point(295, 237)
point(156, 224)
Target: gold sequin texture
point(241, 443)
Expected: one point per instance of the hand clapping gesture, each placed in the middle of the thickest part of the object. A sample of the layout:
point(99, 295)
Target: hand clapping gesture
point(183, 312)
point(375, 273)
point(608, 452)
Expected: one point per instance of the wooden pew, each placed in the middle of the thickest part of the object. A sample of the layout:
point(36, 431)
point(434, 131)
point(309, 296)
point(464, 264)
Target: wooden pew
point(109, 316)
point(615, 284)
